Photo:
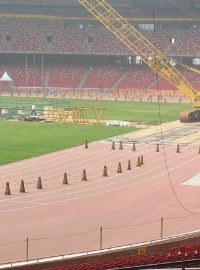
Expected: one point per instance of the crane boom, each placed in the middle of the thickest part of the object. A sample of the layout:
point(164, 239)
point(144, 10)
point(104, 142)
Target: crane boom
point(140, 46)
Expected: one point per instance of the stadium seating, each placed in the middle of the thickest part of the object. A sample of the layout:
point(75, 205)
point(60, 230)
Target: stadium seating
point(65, 76)
point(30, 34)
point(32, 79)
point(105, 42)
point(176, 254)
point(102, 77)
point(137, 78)
point(187, 42)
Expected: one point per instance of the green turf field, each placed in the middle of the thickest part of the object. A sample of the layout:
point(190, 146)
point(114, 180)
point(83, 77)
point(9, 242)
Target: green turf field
point(21, 140)
point(120, 110)
point(136, 111)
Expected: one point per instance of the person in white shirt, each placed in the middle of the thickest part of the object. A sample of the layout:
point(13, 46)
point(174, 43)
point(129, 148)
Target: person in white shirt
point(33, 112)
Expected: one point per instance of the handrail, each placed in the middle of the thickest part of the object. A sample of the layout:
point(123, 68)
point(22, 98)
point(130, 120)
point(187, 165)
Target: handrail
point(96, 252)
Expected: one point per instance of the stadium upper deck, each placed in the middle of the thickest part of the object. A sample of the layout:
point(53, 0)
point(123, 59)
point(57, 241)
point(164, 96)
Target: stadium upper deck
point(38, 34)
point(62, 36)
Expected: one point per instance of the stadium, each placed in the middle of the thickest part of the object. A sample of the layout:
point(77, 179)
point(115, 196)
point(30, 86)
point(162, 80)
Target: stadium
point(100, 134)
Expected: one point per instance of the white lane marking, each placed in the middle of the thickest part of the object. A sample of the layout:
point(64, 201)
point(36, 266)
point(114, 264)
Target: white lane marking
point(149, 149)
point(64, 168)
point(109, 184)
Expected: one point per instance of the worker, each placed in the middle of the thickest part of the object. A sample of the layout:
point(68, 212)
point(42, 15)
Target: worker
point(33, 112)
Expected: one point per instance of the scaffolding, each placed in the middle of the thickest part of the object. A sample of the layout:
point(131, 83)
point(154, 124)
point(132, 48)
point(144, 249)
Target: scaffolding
point(75, 115)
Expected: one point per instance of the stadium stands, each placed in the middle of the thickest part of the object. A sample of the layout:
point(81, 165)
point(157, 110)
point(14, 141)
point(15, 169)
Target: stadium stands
point(65, 76)
point(176, 255)
point(79, 75)
point(30, 77)
point(30, 34)
point(102, 77)
point(187, 42)
point(137, 78)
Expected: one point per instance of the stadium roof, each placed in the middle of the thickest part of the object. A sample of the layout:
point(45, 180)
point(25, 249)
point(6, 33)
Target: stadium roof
point(124, 3)
point(162, 8)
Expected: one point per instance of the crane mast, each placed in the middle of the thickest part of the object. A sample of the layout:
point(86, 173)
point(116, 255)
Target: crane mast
point(141, 46)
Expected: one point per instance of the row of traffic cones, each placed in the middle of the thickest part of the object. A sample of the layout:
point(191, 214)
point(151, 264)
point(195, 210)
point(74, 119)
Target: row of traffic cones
point(22, 186)
point(65, 179)
point(140, 162)
point(121, 146)
point(134, 147)
point(177, 148)
point(113, 146)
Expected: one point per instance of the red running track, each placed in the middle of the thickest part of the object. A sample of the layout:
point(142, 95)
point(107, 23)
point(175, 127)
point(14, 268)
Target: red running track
point(55, 217)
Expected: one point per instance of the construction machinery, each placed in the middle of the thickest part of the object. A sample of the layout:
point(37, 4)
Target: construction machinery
point(149, 54)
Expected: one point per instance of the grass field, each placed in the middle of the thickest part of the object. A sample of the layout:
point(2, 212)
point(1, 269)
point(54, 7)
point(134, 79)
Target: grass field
point(21, 140)
point(124, 110)
point(136, 111)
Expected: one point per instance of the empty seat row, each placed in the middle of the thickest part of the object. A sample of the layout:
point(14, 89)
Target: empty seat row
point(176, 254)
point(30, 34)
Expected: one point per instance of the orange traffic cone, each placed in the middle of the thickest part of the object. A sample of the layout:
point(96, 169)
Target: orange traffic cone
point(178, 149)
point(113, 146)
point(157, 148)
point(134, 147)
point(84, 177)
point(129, 165)
point(22, 187)
point(105, 171)
point(86, 144)
point(138, 162)
point(65, 180)
point(7, 191)
point(141, 160)
point(120, 146)
point(119, 170)
point(39, 183)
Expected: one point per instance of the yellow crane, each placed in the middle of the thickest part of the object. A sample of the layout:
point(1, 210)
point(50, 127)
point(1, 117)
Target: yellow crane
point(141, 46)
